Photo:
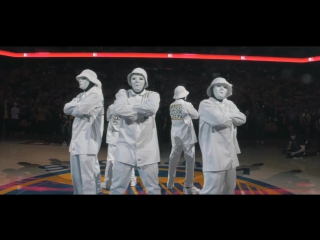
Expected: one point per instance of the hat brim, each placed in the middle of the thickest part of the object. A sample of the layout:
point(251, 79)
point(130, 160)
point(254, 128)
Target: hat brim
point(228, 86)
point(94, 80)
point(186, 93)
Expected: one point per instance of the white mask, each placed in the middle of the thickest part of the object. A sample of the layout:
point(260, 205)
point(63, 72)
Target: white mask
point(83, 83)
point(137, 82)
point(219, 91)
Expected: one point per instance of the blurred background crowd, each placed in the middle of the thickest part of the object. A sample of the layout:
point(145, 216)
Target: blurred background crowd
point(276, 97)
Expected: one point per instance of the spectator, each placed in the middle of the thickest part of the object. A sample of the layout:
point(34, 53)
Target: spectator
point(297, 146)
point(15, 119)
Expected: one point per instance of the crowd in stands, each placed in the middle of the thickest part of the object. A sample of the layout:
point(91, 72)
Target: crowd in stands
point(275, 97)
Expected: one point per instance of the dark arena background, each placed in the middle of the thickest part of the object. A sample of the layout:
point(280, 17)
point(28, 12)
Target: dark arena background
point(278, 88)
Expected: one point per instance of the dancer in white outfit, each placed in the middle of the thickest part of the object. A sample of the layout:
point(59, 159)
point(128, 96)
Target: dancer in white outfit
point(219, 119)
point(111, 139)
point(183, 138)
point(137, 145)
point(87, 131)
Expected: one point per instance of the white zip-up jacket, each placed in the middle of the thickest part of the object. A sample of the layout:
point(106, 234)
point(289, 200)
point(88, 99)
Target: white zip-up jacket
point(138, 141)
point(87, 127)
point(218, 134)
point(113, 126)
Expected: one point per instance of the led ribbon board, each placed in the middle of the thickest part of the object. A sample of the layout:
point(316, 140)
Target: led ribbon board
point(157, 56)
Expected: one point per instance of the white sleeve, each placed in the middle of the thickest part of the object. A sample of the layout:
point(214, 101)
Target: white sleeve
point(210, 114)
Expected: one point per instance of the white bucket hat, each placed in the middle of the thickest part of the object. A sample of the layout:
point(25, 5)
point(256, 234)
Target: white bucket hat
point(141, 72)
point(91, 76)
point(180, 92)
point(223, 82)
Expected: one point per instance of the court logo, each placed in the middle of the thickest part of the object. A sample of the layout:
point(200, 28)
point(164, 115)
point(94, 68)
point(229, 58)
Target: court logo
point(57, 181)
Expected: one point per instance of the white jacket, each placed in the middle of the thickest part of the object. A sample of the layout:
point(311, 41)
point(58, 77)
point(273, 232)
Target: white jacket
point(182, 129)
point(218, 134)
point(138, 141)
point(113, 126)
point(87, 127)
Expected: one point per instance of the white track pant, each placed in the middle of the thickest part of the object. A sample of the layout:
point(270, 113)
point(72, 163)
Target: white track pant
point(109, 167)
point(109, 173)
point(222, 182)
point(85, 172)
point(189, 156)
point(122, 173)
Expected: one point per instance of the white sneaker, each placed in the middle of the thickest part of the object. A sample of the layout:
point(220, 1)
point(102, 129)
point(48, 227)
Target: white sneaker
point(133, 182)
point(64, 144)
point(191, 191)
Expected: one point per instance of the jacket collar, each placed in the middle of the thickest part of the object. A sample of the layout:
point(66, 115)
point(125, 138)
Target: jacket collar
point(216, 101)
point(94, 89)
point(132, 93)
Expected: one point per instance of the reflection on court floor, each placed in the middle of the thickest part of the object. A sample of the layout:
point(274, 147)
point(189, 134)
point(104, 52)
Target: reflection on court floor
point(60, 183)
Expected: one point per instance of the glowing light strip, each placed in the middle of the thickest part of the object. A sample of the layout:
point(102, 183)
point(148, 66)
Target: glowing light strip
point(157, 55)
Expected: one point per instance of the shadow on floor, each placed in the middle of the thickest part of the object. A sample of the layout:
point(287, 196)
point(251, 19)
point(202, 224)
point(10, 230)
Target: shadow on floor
point(290, 181)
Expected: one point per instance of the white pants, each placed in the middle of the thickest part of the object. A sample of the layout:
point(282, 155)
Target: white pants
point(109, 167)
point(189, 156)
point(121, 178)
point(109, 173)
point(85, 172)
point(222, 182)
